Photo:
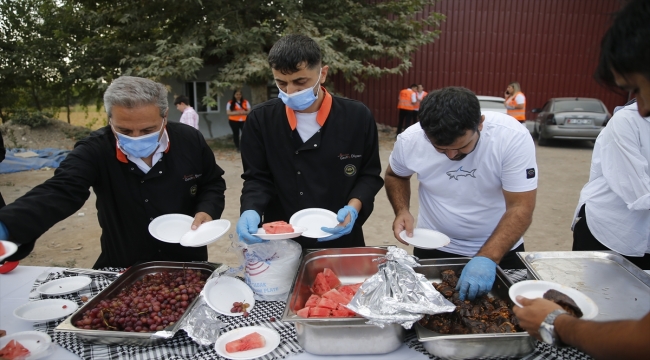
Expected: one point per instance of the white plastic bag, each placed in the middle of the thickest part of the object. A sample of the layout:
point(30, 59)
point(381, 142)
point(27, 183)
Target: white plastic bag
point(270, 268)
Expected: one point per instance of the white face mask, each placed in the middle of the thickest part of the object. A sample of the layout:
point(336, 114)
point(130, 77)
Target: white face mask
point(302, 99)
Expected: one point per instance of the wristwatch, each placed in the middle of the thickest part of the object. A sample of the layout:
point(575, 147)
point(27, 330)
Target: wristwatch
point(547, 329)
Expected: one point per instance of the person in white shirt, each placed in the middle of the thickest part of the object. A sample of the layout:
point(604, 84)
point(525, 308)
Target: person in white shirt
point(189, 116)
point(478, 184)
point(613, 212)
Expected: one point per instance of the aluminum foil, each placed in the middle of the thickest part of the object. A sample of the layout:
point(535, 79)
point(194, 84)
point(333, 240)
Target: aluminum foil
point(396, 294)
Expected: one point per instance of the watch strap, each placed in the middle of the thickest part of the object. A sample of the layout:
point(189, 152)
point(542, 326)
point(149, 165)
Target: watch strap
point(549, 322)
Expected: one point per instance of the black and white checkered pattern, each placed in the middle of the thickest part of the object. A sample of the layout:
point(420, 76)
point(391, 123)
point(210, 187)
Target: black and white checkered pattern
point(181, 346)
point(542, 350)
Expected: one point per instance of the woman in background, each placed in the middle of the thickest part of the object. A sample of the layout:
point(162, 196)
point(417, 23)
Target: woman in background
point(515, 102)
point(237, 109)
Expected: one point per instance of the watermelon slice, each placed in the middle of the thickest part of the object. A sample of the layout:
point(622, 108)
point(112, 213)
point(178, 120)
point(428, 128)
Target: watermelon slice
point(14, 350)
point(277, 227)
point(343, 312)
point(349, 290)
point(332, 280)
point(312, 301)
point(337, 297)
point(2, 249)
point(319, 312)
point(248, 342)
point(327, 303)
point(304, 312)
point(321, 286)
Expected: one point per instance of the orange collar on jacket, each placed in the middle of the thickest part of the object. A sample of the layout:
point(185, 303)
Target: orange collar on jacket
point(121, 156)
point(322, 115)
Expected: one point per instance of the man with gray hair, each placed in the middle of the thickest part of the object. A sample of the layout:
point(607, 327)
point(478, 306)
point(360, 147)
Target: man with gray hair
point(136, 174)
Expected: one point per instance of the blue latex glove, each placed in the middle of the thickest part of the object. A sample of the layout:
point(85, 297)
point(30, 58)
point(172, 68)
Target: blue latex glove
point(248, 224)
point(477, 278)
point(4, 233)
point(339, 231)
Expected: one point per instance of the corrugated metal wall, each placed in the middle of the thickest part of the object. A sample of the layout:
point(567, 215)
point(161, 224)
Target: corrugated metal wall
point(550, 47)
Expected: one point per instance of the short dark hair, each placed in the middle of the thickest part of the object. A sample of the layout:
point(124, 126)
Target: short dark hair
point(446, 114)
point(413, 85)
point(182, 99)
point(625, 47)
point(292, 50)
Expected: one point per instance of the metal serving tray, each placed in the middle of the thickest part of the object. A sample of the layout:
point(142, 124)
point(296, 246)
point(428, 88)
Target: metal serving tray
point(351, 336)
point(130, 276)
point(466, 346)
point(619, 288)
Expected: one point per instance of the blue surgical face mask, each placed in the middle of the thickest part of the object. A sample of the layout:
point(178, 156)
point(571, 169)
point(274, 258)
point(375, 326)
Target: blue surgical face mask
point(141, 146)
point(302, 99)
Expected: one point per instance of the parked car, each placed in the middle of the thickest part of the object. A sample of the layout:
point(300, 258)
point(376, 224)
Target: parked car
point(570, 119)
point(492, 103)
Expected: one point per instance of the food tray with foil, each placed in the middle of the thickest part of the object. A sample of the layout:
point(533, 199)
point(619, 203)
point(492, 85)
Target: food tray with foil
point(133, 275)
point(464, 346)
point(620, 289)
point(352, 336)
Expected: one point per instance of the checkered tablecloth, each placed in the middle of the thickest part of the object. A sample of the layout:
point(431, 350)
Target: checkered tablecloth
point(181, 346)
point(542, 350)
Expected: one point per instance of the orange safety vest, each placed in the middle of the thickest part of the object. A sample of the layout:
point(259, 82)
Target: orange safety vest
point(245, 106)
point(519, 114)
point(405, 100)
point(418, 100)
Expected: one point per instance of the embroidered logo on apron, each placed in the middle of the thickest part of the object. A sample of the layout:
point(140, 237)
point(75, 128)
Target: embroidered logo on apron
point(193, 190)
point(350, 170)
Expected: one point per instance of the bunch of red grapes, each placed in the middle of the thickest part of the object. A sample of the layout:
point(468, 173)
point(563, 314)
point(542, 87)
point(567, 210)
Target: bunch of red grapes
point(150, 304)
point(240, 307)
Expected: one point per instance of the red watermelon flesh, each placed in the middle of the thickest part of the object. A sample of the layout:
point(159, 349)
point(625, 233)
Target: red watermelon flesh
point(319, 312)
point(248, 342)
point(337, 297)
point(2, 249)
point(304, 312)
point(321, 286)
point(312, 301)
point(327, 303)
point(14, 350)
point(277, 227)
point(331, 278)
point(343, 312)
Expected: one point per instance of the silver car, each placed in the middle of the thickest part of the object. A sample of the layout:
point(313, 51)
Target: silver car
point(570, 119)
point(492, 103)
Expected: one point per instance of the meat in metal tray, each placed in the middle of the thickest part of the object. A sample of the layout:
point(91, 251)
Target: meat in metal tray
point(620, 289)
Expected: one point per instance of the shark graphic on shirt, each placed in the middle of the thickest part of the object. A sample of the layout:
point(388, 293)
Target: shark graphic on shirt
point(460, 172)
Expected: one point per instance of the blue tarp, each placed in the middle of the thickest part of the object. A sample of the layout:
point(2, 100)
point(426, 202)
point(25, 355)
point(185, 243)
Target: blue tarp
point(49, 157)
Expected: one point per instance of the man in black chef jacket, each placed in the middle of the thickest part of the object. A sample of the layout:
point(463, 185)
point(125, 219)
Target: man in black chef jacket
point(140, 167)
point(308, 149)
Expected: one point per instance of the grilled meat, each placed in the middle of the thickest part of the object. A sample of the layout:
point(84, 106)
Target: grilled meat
point(564, 301)
point(483, 315)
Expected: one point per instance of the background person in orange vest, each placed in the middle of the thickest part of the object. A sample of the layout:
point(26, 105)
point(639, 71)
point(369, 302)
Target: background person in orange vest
point(237, 109)
point(406, 106)
point(419, 95)
point(515, 102)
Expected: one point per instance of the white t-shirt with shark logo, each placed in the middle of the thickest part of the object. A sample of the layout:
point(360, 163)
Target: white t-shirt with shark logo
point(464, 199)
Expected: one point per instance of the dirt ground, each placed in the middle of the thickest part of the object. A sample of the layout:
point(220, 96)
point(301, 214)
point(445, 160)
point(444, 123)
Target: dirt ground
point(74, 242)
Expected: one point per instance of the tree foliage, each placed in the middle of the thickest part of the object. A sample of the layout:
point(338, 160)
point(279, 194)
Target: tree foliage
point(79, 46)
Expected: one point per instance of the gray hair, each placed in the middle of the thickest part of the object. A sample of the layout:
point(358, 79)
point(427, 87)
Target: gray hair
point(132, 92)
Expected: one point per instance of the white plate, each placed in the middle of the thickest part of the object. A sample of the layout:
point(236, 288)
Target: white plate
point(10, 249)
point(534, 289)
point(426, 238)
point(36, 342)
point(206, 233)
point(64, 286)
point(271, 336)
point(45, 310)
point(261, 233)
point(170, 228)
point(220, 293)
point(313, 219)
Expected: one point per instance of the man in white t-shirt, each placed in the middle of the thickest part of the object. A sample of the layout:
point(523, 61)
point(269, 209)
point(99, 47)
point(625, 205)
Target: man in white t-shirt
point(478, 184)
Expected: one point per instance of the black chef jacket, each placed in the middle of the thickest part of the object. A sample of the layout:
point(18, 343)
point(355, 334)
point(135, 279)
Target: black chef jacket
point(186, 180)
point(283, 174)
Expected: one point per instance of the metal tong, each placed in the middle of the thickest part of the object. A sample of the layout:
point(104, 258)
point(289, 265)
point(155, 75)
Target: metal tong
point(91, 272)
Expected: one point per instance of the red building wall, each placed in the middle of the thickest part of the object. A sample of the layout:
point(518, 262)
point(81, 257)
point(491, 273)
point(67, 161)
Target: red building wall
point(550, 47)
